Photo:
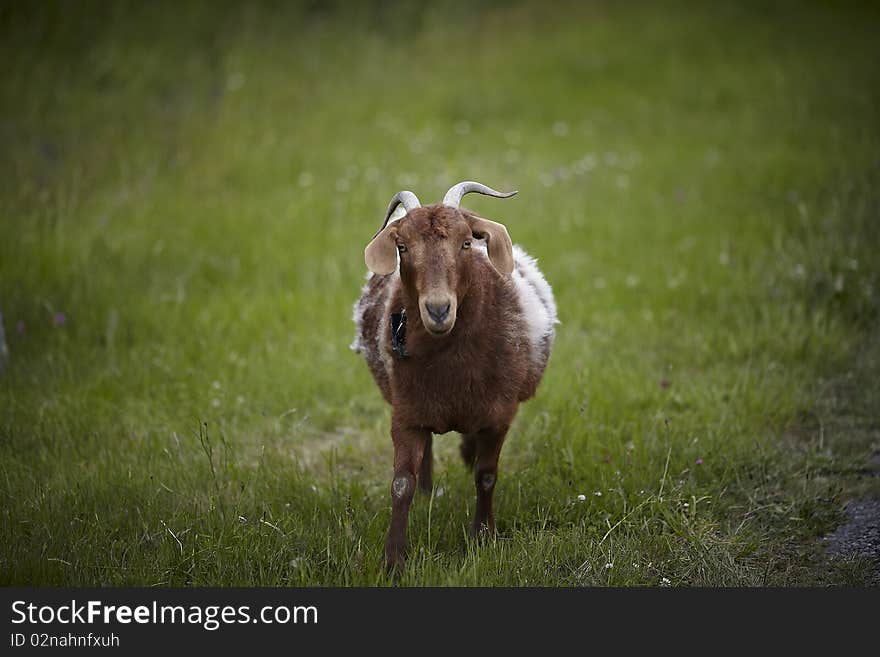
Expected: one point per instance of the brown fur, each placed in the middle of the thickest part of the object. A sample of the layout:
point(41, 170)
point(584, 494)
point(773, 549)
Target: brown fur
point(469, 380)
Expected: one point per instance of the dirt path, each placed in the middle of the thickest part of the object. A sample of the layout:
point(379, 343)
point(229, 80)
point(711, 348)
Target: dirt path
point(860, 536)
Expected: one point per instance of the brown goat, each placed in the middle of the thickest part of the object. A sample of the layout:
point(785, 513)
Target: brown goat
point(456, 325)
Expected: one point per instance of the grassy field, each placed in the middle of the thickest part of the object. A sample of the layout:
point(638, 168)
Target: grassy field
point(185, 194)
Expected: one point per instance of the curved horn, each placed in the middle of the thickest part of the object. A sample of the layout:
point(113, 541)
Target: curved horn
point(407, 199)
point(453, 196)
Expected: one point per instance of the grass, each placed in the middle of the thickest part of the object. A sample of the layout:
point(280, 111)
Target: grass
point(185, 193)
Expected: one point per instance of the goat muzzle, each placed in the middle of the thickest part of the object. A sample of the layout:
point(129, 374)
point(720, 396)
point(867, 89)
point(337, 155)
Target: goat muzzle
point(438, 315)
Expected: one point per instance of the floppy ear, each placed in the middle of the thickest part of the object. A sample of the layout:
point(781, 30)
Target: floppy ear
point(497, 239)
point(381, 253)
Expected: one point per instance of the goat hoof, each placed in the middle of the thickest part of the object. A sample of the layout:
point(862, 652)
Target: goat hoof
point(395, 559)
point(394, 565)
point(482, 529)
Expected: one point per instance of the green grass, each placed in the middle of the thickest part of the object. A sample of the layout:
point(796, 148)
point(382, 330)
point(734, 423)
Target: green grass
point(192, 188)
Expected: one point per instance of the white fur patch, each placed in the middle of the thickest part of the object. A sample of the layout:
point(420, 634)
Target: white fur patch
point(384, 328)
point(383, 299)
point(357, 315)
point(536, 301)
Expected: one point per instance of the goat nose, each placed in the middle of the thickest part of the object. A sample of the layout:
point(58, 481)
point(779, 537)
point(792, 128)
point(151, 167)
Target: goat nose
point(438, 311)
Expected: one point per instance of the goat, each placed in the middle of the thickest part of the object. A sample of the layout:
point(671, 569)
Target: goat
point(456, 325)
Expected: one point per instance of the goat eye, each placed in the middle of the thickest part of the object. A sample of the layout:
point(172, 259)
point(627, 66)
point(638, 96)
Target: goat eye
point(401, 247)
point(466, 245)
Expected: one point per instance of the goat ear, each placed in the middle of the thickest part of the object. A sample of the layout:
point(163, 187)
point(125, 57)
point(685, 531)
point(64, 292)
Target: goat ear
point(381, 253)
point(497, 239)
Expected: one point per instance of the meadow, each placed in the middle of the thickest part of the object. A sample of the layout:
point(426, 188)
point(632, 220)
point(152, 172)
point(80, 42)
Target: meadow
point(185, 193)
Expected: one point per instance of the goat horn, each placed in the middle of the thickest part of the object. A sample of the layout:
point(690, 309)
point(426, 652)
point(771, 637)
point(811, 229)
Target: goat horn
point(453, 196)
point(408, 200)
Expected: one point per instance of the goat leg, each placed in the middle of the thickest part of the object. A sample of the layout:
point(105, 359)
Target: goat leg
point(409, 448)
point(488, 446)
point(468, 450)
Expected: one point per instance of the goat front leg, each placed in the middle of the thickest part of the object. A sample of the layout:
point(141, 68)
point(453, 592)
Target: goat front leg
point(409, 448)
point(487, 445)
